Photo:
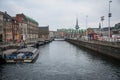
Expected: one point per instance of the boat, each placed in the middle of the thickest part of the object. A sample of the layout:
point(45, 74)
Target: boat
point(1, 57)
point(9, 55)
point(25, 55)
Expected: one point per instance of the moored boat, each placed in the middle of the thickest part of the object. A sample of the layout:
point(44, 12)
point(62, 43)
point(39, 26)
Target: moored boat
point(26, 55)
point(9, 55)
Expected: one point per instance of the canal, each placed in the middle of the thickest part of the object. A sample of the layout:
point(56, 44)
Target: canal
point(60, 60)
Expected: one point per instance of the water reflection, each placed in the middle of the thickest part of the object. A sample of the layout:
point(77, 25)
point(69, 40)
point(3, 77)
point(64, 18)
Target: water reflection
point(61, 60)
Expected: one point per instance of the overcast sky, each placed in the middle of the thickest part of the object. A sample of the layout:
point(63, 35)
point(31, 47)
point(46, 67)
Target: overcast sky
point(62, 13)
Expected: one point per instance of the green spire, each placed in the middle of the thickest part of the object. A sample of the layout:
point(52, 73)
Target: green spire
point(76, 26)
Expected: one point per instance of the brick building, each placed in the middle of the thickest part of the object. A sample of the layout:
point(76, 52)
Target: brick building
point(44, 32)
point(28, 26)
point(9, 28)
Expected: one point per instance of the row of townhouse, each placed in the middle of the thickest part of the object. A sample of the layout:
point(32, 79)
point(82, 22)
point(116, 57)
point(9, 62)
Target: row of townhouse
point(9, 28)
point(29, 27)
point(19, 28)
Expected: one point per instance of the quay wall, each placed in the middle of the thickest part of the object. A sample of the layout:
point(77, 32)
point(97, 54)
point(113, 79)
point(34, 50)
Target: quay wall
point(108, 50)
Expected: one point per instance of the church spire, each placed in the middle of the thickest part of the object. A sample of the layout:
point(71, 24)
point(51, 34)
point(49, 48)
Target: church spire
point(76, 26)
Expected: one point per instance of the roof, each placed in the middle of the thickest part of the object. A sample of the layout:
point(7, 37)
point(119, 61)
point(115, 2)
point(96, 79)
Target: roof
point(30, 19)
point(28, 49)
point(9, 51)
point(107, 28)
point(46, 28)
point(6, 16)
point(27, 18)
point(94, 28)
point(1, 12)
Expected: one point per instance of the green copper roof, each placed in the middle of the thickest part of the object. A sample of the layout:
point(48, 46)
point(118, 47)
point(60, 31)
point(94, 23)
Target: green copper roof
point(31, 20)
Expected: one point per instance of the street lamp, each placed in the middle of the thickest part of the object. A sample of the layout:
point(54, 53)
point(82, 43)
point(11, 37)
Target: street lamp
point(109, 15)
point(102, 19)
point(86, 25)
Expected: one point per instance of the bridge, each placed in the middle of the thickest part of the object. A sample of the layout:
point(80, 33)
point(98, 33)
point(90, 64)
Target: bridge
point(59, 39)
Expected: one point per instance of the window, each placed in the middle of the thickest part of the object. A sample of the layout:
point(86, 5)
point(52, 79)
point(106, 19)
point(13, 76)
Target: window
point(0, 28)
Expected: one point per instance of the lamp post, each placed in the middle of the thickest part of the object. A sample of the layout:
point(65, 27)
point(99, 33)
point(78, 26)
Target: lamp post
point(109, 15)
point(102, 19)
point(99, 28)
point(86, 25)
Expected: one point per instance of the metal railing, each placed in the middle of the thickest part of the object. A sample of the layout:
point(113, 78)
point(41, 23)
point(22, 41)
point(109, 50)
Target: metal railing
point(113, 43)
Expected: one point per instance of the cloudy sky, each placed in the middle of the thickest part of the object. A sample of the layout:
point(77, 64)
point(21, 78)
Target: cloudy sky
point(62, 13)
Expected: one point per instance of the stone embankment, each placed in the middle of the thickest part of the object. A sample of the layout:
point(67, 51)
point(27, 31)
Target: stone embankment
point(111, 49)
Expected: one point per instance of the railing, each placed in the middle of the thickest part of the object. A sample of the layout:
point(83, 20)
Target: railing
point(107, 43)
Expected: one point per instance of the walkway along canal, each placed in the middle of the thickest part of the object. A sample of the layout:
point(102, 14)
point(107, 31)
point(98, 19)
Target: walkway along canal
point(60, 60)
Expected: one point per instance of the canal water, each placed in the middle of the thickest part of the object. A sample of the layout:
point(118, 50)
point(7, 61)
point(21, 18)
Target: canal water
point(60, 60)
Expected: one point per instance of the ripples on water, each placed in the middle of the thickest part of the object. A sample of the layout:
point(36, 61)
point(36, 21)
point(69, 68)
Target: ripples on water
point(60, 60)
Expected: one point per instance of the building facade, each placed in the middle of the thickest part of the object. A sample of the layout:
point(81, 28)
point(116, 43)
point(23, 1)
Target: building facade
point(52, 34)
point(44, 32)
point(9, 29)
point(28, 26)
point(116, 31)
